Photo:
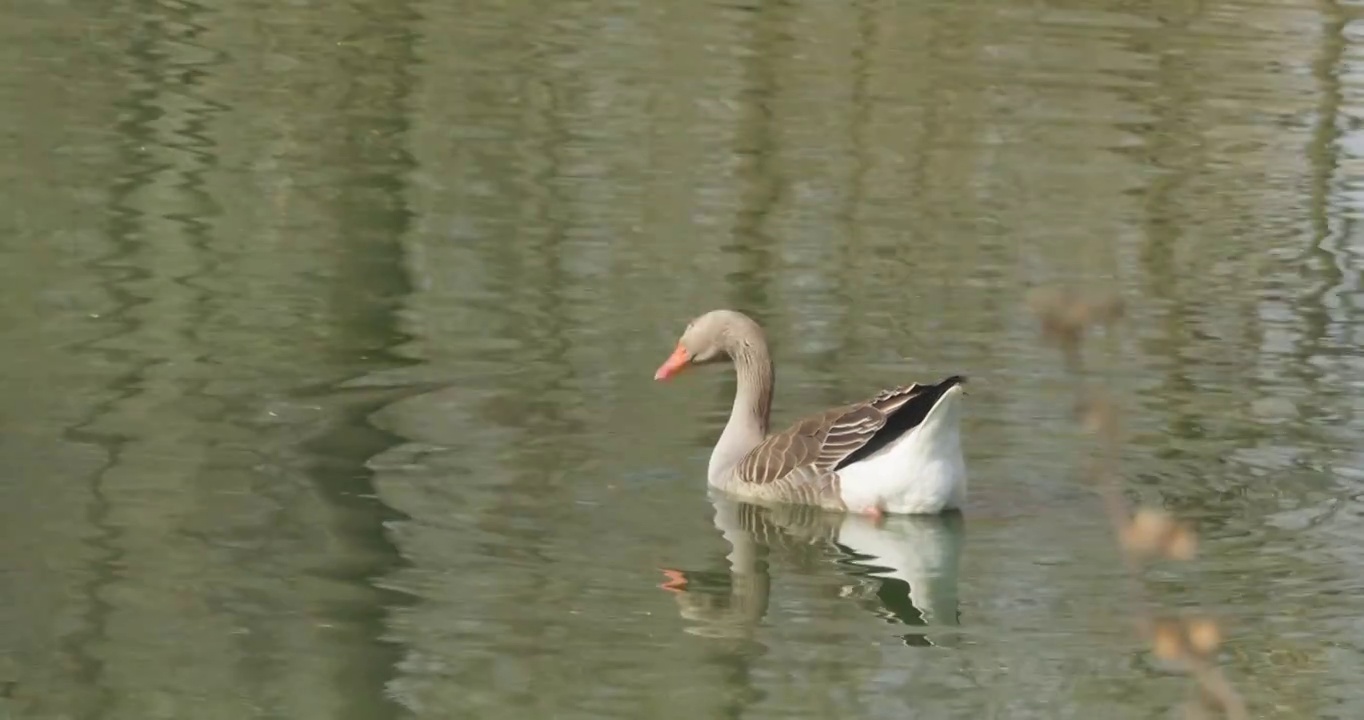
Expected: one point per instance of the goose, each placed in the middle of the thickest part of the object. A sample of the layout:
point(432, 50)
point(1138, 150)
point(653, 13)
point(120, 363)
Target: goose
point(897, 452)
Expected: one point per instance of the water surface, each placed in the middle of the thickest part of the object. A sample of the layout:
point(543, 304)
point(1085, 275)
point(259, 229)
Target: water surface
point(329, 332)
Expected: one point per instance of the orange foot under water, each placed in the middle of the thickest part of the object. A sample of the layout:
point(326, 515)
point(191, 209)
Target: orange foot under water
point(875, 514)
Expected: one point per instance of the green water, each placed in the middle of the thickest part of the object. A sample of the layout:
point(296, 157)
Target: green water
point(328, 333)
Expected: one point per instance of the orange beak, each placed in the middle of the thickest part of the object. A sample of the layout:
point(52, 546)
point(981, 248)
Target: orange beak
point(674, 364)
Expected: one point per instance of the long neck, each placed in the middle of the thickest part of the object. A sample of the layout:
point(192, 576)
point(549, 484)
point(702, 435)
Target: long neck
point(748, 419)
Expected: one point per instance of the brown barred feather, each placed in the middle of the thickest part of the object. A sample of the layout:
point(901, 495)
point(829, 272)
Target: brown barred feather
point(803, 457)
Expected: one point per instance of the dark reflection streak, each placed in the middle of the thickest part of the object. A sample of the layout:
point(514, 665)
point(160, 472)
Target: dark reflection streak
point(532, 405)
point(1327, 232)
point(737, 663)
point(342, 478)
point(192, 139)
point(180, 25)
point(935, 103)
point(1172, 149)
point(850, 246)
point(750, 243)
point(1176, 149)
point(370, 287)
point(519, 405)
point(553, 219)
point(116, 273)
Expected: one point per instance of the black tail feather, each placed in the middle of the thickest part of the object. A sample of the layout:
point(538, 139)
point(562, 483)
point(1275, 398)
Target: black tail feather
point(908, 417)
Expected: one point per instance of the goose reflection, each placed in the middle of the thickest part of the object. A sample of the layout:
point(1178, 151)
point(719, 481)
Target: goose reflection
point(902, 570)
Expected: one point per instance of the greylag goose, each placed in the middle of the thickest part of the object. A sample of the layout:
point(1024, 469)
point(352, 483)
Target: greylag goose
point(896, 452)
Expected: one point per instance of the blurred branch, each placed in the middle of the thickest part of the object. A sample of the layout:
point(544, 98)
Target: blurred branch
point(1188, 642)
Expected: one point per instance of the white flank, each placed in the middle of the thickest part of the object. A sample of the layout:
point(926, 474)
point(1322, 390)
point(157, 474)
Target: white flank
point(922, 472)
